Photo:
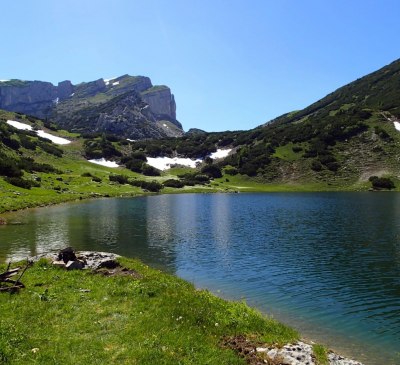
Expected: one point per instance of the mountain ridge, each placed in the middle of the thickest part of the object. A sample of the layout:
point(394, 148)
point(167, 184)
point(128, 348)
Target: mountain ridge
point(64, 103)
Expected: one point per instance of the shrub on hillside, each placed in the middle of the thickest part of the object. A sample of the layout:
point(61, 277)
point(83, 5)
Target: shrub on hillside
point(18, 181)
point(212, 171)
point(9, 167)
point(195, 178)
point(26, 142)
point(316, 165)
point(248, 169)
point(150, 170)
point(379, 183)
point(152, 186)
point(50, 125)
point(11, 143)
point(138, 155)
point(51, 149)
point(120, 179)
point(382, 133)
point(29, 164)
point(134, 165)
point(87, 174)
point(231, 171)
point(333, 166)
point(173, 183)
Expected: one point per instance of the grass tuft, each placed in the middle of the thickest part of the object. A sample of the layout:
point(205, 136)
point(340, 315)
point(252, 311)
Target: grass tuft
point(321, 354)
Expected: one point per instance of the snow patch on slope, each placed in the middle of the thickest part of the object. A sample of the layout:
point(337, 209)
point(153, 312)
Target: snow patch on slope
point(103, 162)
point(40, 133)
point(165, 163)
point(220, 153)
point(54, 139)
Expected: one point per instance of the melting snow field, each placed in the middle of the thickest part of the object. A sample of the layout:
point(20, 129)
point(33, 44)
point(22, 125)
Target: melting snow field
point(18, 125)
point(220, 153)
point(397, 125)
point(164, 163)
point(104, 162)
point(54, 139)
point(40, 133)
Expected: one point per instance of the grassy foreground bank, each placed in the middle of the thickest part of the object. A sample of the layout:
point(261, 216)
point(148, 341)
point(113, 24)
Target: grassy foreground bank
point(149, 317)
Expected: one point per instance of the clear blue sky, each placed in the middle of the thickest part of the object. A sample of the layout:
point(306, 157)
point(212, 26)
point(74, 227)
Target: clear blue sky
point(231, 64)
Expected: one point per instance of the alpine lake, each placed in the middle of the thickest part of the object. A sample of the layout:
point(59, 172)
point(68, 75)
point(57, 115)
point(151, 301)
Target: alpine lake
point(327, 264)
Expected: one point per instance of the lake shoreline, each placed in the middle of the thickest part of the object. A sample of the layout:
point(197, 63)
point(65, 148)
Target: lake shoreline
point(297, 352)
point(152, 200)
point(62, 199)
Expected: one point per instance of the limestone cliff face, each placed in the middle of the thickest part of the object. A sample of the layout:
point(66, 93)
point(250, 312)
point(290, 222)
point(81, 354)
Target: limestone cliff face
point(71, 105)
point(28, 97)
point(161, 102)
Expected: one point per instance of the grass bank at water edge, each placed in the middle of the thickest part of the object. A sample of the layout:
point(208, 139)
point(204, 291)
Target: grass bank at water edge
point(149, 317)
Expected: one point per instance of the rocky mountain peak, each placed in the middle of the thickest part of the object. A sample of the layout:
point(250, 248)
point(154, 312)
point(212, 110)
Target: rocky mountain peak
point(69, 104)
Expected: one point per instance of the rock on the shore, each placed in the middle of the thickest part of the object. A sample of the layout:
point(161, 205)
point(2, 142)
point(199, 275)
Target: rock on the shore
point(335, 359)
point(81, 259)
point(96, 260)
point(75, 265)
point(301, 353)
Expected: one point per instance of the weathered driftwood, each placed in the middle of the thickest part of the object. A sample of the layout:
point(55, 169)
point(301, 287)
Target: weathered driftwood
point(8, 284)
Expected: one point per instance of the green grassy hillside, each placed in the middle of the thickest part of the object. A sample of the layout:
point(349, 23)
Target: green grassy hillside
point(345, 141)
point(339, 142)
point(36, 172)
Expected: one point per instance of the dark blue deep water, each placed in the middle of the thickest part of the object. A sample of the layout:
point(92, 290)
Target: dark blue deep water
point(325, 263)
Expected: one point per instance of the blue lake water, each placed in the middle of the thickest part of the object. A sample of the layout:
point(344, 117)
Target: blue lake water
point(325, 263)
